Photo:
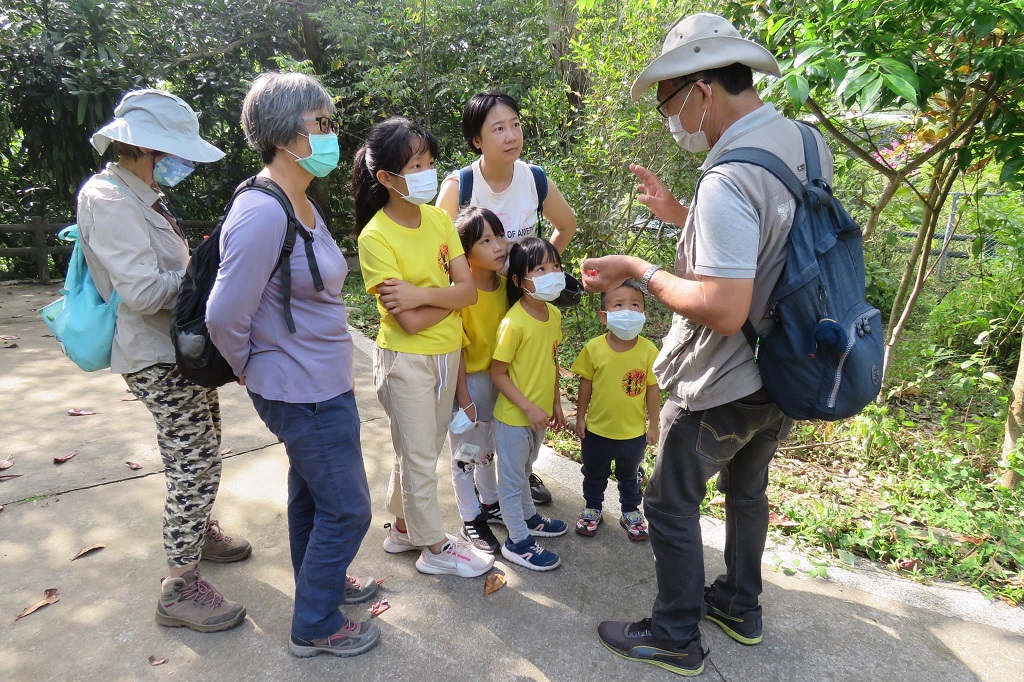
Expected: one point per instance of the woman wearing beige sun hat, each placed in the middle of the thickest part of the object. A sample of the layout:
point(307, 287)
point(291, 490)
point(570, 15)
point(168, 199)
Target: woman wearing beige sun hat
point(134, 246)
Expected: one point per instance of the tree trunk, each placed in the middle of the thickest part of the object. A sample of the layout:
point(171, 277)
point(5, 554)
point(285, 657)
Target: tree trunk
point(1014, 428)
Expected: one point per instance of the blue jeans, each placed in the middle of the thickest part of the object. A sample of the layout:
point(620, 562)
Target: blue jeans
point(736, 440)
point(328, 503)
point(598, 453)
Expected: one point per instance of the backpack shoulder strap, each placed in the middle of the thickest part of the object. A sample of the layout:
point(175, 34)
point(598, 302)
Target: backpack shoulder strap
point(465, 186)
point(540, 179)
point(292, 229)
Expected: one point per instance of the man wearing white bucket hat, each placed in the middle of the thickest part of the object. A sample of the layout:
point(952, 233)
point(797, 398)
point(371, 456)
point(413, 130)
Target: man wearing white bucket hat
point(718, 419)
point(133, 245)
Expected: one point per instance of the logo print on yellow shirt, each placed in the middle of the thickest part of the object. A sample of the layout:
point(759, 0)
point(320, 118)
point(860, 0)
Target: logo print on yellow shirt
point(442, 258)
point(634, 382)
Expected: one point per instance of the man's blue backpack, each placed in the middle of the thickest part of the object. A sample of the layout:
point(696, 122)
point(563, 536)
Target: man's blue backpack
point(81, 320)
point(823, 357)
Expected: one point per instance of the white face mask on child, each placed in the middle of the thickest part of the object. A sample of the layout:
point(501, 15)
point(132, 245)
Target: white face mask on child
point(422, 186)
point(548, 286)
point(626, 324)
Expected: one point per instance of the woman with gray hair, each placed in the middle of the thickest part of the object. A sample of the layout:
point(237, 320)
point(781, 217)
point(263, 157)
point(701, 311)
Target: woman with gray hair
point(301, 382)
point(133, 246)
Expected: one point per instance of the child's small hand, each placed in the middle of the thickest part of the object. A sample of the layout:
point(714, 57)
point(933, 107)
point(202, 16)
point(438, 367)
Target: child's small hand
point(397, 295)
point(557, 417)
point(653, 435)
point(581, 427)
point(537, 417)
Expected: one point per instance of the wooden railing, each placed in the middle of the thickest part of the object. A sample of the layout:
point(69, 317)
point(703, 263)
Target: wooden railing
point(40, 251)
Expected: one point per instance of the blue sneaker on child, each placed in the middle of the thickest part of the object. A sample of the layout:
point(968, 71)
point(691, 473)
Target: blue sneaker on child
point(529, 554)
point(544, 527)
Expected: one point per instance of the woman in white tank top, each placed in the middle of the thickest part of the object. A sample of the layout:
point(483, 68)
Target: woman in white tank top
point(501, 181)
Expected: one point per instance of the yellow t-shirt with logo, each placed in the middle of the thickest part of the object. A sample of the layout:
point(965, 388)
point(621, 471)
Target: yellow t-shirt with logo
point(531, 349)
point(420, 256)
point(618, 403)
point(480, 326)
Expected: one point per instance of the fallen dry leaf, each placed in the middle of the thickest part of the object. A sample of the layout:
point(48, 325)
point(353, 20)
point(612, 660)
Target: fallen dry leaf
point(153, 660)
point(61, 460)
point(908, 564)
point(380, 581)
point(75, 412)
point(49, 597)
point(47, 336)
point(378, 607)
point(717, 501)
point(10, 345)
point(10, 337)
point(6, 463)
point(5, 477)
point(493, 583)
point(90, 548)
point(226, 451)
point(781, 520)
point(963, 538)
point(133, 466)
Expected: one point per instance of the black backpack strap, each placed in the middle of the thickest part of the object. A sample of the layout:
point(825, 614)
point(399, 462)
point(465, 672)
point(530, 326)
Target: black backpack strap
point(540, 179)
point(293, 228)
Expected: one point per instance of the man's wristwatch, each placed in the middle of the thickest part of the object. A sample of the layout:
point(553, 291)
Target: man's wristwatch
point(646, 279)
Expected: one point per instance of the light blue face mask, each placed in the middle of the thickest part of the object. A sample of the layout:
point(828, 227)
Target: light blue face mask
point(324, 154)
point(170, 170)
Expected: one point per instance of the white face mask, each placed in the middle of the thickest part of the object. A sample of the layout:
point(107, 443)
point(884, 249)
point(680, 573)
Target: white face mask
point(422, 186)
point(547, 286)
point(460, 422)
point(625, 324)
point(691, 142)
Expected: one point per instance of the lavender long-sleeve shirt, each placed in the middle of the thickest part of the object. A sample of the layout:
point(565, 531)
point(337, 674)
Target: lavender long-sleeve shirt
point(245, 313)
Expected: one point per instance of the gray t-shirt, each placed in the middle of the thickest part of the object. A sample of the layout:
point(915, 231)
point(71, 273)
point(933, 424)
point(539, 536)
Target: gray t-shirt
point(737, 228)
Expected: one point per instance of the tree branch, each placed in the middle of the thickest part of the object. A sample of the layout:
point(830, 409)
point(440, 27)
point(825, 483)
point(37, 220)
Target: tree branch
point(223, 49)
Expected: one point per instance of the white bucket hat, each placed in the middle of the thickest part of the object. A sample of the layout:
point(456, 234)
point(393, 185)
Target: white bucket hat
point(158, 120)
point(700, 42)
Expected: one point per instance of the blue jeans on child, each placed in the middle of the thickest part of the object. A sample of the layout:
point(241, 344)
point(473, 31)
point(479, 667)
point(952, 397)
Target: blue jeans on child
point(328, 503)
point(598, 453)
point(518, 447)
point(736, 440)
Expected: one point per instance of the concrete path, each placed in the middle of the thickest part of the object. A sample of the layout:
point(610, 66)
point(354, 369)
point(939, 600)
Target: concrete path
point(859, 624)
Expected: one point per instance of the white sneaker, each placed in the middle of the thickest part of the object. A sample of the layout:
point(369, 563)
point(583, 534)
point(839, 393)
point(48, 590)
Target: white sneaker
point(455, 558)
point(396, 542)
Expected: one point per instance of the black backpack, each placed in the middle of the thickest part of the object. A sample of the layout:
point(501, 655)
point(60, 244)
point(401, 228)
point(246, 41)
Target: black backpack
point(823, 357)
point(198, 359)
point(573, 291)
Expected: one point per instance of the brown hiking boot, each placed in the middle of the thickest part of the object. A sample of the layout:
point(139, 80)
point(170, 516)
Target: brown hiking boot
point(191, 602)
point(223, 549)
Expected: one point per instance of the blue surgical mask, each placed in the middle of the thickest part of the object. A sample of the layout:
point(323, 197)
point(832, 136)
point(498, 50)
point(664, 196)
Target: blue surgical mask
point(625, 324)
point(170, 170)
point(323, 156)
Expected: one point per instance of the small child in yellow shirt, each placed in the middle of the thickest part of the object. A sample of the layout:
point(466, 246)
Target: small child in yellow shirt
point(617, 410)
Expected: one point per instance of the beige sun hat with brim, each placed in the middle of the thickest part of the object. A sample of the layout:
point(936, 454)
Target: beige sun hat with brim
point(700, 42)
point(157, 120)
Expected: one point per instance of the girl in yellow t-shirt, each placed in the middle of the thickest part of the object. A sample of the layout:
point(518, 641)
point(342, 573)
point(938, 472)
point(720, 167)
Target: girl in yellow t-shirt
point(524, 369)
point(471, 434)
point(413, 261)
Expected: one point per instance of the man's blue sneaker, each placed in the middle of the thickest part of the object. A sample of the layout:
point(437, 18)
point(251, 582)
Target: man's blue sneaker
point(544, 527)
point(635, 642)
point(529, 554)
point(743, 630)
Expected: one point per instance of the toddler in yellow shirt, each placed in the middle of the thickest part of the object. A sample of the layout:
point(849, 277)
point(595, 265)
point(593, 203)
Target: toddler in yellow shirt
point(617, 410)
